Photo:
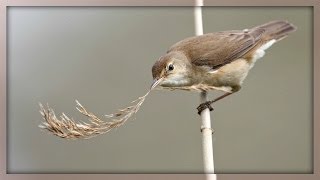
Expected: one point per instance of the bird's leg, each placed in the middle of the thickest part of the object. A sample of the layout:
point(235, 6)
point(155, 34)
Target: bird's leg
point(207, 104)
point(204, 106)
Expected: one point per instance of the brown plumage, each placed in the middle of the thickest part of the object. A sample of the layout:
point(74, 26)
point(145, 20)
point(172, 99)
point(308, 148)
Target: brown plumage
point(219, 60)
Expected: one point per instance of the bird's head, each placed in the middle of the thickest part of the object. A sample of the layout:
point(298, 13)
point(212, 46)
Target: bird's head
point(171, 70)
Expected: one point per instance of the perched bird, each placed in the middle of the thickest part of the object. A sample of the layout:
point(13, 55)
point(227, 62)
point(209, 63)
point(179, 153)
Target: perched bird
point(216, 61)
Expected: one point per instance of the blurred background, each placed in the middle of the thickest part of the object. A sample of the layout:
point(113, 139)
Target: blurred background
point(103, 56)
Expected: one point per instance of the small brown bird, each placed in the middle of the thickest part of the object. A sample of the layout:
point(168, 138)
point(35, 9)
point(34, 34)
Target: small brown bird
point(216, 61)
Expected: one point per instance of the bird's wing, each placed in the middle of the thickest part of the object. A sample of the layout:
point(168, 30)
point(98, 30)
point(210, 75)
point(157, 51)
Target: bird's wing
point(220, 48)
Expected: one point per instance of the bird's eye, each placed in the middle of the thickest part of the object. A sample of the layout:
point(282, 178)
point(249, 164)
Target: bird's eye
point(170, 67)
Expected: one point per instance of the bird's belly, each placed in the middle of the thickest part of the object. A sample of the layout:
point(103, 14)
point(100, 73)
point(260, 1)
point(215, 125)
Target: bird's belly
point(230, 77)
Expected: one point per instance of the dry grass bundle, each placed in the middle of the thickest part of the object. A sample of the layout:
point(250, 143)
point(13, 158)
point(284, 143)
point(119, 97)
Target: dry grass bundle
point(68, 128)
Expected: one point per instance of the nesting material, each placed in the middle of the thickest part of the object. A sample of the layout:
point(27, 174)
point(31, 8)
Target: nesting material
point(68, 128)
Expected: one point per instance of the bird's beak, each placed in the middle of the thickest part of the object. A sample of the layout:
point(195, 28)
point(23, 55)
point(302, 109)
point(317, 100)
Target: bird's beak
point(155, 82)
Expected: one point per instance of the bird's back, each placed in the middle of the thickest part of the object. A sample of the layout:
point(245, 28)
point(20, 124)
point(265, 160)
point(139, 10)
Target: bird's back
point(220, 48)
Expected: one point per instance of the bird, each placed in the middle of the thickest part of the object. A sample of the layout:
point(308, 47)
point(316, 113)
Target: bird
point(216, 61)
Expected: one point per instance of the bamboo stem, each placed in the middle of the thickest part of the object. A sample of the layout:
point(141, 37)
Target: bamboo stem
point(207, 146)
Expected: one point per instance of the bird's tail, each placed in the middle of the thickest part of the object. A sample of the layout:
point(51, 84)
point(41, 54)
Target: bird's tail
point(276, 29)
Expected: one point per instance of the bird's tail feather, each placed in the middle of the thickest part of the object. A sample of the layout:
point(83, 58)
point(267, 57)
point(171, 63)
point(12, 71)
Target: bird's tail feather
point(276, 29)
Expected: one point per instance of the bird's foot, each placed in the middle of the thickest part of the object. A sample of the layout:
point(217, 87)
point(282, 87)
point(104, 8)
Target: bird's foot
point(204, 106)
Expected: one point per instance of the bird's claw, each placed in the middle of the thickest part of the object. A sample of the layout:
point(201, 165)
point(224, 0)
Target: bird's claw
point(204, 106)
